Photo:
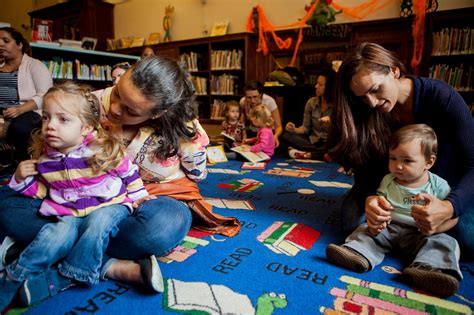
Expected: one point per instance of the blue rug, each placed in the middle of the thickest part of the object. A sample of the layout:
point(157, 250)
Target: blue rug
point(276, 265)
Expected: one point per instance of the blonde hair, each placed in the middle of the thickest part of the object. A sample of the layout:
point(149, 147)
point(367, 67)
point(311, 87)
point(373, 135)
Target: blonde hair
point(77, 99)
point(422, 132)
point(261, 114)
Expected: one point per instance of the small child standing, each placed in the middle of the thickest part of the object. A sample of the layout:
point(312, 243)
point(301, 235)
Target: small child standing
point(232, 126)
point(87, 186)
point(435, 267)
point(261, 118)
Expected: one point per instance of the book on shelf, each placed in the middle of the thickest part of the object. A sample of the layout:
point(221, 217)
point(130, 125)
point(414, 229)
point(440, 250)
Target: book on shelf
point(137, 42)
point(219, 28)
point(153, 38)
point(42, 30)
point(70, 43)
point(253, 157)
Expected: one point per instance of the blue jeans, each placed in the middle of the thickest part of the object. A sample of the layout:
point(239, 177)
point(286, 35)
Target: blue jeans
point(155, 227)
point(81, 240)
point(353, 215)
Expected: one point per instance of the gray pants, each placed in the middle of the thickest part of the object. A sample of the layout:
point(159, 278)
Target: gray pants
point(439, 250)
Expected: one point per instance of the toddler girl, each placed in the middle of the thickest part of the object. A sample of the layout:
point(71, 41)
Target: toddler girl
point(261, 118)
point(232, 126)
point(86, 185)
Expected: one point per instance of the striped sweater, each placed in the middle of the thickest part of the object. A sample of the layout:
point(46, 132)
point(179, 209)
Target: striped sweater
point(70, 187)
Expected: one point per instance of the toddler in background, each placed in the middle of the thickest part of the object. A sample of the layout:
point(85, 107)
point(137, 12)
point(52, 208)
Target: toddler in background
point(232, 126)
point(86, 186)
point(261, 118)
point(435, 265)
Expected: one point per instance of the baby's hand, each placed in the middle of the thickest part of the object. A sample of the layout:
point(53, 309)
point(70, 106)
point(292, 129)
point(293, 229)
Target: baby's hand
point(290, 127)
point(25, 168)
point(137, 203)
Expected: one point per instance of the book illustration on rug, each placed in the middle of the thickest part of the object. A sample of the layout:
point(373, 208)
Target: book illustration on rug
point(231, 203)
point(302, 173)
point(253, 157)
point(253, 166)
point(288, 238)
point(242, 185)
point(322, 183)
point(197, 297)
point(223, 171)
point(365, 297)
point(187, 247)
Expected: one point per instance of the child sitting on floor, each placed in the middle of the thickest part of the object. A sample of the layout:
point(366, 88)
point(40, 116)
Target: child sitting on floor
point(435, 267)
point(261, 118)
point(232, 125)
point(87, 186)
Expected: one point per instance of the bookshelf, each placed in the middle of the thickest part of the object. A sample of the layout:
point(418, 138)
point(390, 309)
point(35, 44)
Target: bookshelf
point(449, 51)
point(84, 66)
point(219, 67)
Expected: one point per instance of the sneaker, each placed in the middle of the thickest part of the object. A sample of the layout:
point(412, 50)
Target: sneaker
point(297, 154)
point(431, 280)
point(347, 258)
point(41, 286)
point(151, 274)
point(6, 245)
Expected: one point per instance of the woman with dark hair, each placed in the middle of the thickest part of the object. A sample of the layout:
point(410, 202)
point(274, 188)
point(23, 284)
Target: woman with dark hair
point(254, 96)
point(152, 110)
point(23, 82)
point(373, 97)
point(118, 71)
point(308, 141)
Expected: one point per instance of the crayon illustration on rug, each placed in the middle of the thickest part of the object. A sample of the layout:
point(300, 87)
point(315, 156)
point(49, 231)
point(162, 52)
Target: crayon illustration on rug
point(277, 264)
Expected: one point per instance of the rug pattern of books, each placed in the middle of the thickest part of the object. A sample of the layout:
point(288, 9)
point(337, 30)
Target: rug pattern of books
point(289, 213)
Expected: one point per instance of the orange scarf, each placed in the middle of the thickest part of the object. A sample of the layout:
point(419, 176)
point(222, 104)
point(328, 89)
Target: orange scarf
point(184, 189)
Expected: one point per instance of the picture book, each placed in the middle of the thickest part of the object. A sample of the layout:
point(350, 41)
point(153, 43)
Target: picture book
point(253, 157)
point(216, 154)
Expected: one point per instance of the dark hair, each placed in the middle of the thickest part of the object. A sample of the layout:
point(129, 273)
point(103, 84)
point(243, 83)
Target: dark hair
point(167, 85)
point(330, 75)
point(359, 133)
point(123, 65)
point(254, 85)
point(422, 132)
point(19, 39)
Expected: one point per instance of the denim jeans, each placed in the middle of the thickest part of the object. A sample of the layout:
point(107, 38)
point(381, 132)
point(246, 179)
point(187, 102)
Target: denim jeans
point(353, 214)
point(81, 240)
point(155, 227)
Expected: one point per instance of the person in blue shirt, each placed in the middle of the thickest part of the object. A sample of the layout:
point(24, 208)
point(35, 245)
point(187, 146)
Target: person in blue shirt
point(435, 267)
point(374, 97)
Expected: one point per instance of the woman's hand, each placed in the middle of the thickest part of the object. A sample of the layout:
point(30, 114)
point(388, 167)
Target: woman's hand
point(137, 203)
point(290, 127)
point(25, 168)
point(377, 213)
point(434, 215)
point(12, 112)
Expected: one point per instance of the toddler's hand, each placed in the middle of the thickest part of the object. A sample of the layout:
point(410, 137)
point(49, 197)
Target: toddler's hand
point(290, 127)
point(25, 168)
point(137, 203)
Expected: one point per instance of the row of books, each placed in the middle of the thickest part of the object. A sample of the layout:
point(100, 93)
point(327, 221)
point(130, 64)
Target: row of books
point(65, 70)
point(192, 61)
point(460, 77)
point(200, 85)
point(226, 59)
point(453, 41)
point(218, 109)
point(225, 84)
